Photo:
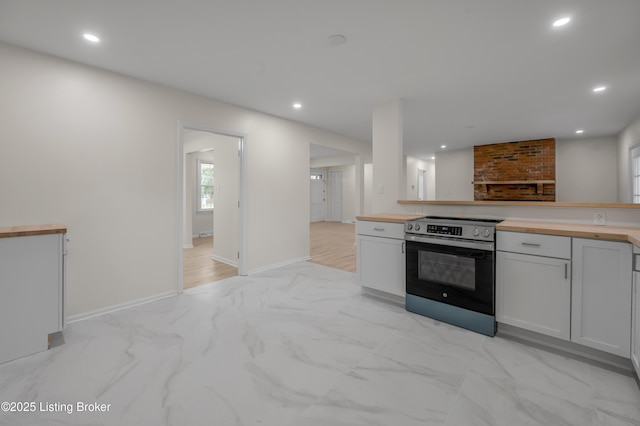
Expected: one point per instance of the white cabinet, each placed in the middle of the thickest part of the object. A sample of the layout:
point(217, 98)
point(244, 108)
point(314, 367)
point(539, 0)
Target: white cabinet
point(533, 291)
point(635, 324)
point(31, 293)
point(601, 295)
point(380, 256)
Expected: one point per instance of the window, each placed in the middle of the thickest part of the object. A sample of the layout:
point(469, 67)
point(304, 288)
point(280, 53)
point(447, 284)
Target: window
point(635, 174)
point(205, 185)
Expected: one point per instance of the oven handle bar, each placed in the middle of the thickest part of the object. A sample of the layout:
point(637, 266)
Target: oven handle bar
point(478, 245)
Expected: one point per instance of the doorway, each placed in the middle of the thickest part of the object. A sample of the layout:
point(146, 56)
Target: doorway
point(422, 184)
point(212, 208)
point(318, 196)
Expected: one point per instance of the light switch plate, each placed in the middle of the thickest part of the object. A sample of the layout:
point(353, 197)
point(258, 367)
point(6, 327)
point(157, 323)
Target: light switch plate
point(599, 218)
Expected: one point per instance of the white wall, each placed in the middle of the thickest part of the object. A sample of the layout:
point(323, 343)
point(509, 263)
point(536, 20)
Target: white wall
point(628, 138)
point(75, 150)
point(388, 175)
point(454, 174)
point(586, 170)
point(413, 165)
point(368, 189)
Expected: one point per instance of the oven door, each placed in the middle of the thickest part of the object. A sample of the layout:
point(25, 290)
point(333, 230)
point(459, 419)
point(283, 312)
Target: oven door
point(455, 272)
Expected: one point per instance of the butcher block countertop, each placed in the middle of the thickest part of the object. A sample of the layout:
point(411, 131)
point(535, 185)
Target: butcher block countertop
point(627, 234)
point(390, 217)
point(30, 230)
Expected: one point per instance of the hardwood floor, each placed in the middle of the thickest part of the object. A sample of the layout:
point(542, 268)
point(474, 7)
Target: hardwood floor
point(199, 268)
point(333, 244)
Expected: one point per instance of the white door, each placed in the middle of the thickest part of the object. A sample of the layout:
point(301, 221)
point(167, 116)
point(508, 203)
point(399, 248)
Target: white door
point(335, 191)
point(422, 184)
point(317, 197)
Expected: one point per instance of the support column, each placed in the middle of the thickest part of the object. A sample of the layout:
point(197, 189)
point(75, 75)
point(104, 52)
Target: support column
point(388, 179)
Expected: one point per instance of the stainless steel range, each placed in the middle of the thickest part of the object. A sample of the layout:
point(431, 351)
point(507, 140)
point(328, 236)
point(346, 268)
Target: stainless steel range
point(450, 265)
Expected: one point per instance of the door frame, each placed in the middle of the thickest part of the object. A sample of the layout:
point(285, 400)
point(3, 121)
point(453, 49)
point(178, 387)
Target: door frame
point(242, 194)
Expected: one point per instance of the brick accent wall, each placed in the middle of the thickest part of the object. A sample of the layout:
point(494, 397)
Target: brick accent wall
point(530, 161)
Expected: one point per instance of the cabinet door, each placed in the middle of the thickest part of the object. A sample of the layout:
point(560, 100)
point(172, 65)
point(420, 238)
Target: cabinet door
point(534, 292)
point(30, 293)
point(601, 295)
point(381, 264)
point(635, 325)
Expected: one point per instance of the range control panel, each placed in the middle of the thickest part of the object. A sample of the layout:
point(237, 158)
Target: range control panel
point(445, 230)
point(471, 229)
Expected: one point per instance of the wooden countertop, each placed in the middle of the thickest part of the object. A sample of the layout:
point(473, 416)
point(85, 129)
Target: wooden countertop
point(627, 234)
point(30, 230)
point(390, 217)
point(523, 204)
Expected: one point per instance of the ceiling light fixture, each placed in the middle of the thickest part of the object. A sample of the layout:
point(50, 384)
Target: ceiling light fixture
point(336, 40)
point(297, 105)
point(600, 89)
point(579, 131)
point(433, 158)
point(561, 22)
point(91, 37)
point(443, 146)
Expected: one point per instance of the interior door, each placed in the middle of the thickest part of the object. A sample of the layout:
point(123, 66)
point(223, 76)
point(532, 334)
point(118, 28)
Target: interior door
point(318, 199)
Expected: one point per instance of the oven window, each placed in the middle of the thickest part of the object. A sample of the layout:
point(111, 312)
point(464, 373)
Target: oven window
point(448, 269)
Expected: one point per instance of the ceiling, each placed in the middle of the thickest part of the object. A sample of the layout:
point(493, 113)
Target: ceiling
point(469, 71)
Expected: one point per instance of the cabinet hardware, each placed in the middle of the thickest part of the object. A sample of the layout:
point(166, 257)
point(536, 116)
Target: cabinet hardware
point(566, 268)
point(403, 247)
point(524, 243)
point(378, 229)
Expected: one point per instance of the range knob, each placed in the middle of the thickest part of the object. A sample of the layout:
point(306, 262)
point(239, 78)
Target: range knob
point(476, 232)
point(410, 226)
point(417, 227)
point(487, 232)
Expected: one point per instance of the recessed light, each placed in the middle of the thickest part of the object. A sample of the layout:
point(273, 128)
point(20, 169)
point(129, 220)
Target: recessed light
point(433, 158)
point(579, 131)
point(91, 37)
point(561, 22)
point(600, 89)
point(443, 146)
point(297, 105)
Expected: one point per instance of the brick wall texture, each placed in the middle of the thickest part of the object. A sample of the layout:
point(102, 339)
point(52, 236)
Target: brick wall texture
point(533, 160)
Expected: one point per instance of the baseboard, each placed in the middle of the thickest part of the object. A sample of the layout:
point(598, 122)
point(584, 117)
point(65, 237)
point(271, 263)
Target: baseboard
point(372, 292)
point(187, 246)
point(119, 307)
point(350, 222)
point(562, 347)
point(278, 265)
point(225, 260)
point(203, 234)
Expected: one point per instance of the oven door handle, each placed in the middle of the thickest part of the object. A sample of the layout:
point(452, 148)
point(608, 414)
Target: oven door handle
point(468, 253)
point(477, 245)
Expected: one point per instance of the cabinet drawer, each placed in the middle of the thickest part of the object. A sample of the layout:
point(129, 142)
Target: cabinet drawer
point(536, 244)
point(380, 229)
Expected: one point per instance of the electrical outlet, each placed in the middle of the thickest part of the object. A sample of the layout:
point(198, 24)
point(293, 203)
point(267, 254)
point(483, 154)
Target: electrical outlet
point(599, 218)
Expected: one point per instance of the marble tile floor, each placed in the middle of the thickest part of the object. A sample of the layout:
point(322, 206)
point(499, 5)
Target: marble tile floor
point(301, 346)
